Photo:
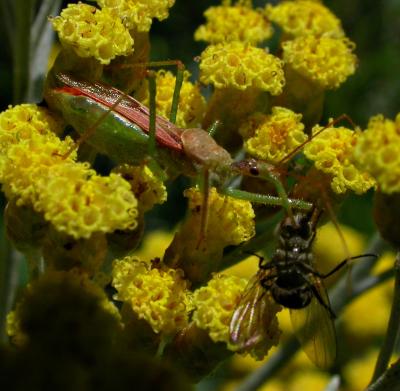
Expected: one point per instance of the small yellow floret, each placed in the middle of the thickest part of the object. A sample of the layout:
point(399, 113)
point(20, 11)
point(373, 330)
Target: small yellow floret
point(230, 220)
point(328, 62)
point(191, 105)
point(332, 152)
point(214, 305)
point(241, 66)
point(147, 187)
point(138, 14)
point(304, 17)
point(155, 292)
point(91, 32)
point(22, 122)
point(378, 152)
point(272, 137)
point(239, 22)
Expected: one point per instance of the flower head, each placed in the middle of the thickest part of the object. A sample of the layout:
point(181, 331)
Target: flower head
point(191, 105)
point(326, 61)
point(53, 303)
point(70, 195)
point(155, 293)
point(147, 188)
point(241, 66)
point(378, 150)
point(230, 220)
point(138, 14)
point(332, 152)
point(215, 303)
point(305, 17)
point(272, 137)
point(239, 22)
point(91, 32)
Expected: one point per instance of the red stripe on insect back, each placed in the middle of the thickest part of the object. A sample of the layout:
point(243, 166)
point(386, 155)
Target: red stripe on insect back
point(70, 90)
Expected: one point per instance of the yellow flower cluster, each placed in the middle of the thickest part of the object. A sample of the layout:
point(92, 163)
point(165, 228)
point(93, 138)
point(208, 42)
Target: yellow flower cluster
point(378, 152)
point(227, 23)
point(156, 293)
point(191, 105)
point(21, 123)
point(138, 14)
point(332, 152)
point(241, 66)
point(305, 17)
point(69, 194)
point(230, 220)
point(147, 188)
point(91, 32)
point(326, 61)
point(215, 303)
point(272, 137)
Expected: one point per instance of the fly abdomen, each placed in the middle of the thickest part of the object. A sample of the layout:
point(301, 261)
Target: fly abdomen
point(293, 298)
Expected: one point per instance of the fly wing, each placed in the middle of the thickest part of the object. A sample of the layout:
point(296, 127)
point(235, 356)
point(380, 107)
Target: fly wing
point(253, 324)
point(314, 328)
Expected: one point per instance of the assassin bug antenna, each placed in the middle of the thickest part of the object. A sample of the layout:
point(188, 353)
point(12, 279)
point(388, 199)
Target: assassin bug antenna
point(329, 125)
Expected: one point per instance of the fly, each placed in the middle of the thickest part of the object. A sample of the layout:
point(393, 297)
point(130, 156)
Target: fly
point(290, 280)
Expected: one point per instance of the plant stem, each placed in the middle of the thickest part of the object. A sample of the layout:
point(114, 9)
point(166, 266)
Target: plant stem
point(393, 326)
point(388, 381)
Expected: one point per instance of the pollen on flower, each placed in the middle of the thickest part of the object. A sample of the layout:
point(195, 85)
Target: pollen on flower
point(239, 22)
point(147, 187)
point(332, 152)
point(21, 121)
point(91, 32)
point(156, 293)
point(138, 14)
point(328, 62)
point(215, 303)
point(191, 107)
point(230, 220)
point(271, 137)
point(378, 152)
point(241, 66)
point(69, 194)
point(305, 17)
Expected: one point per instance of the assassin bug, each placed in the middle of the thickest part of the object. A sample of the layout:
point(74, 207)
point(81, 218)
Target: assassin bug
point(291, 280)
point(122, 132)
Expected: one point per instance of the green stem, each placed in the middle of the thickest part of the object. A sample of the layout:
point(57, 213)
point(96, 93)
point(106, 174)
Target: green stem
point(362, 283)
point(389, 380)
point(393, 326)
